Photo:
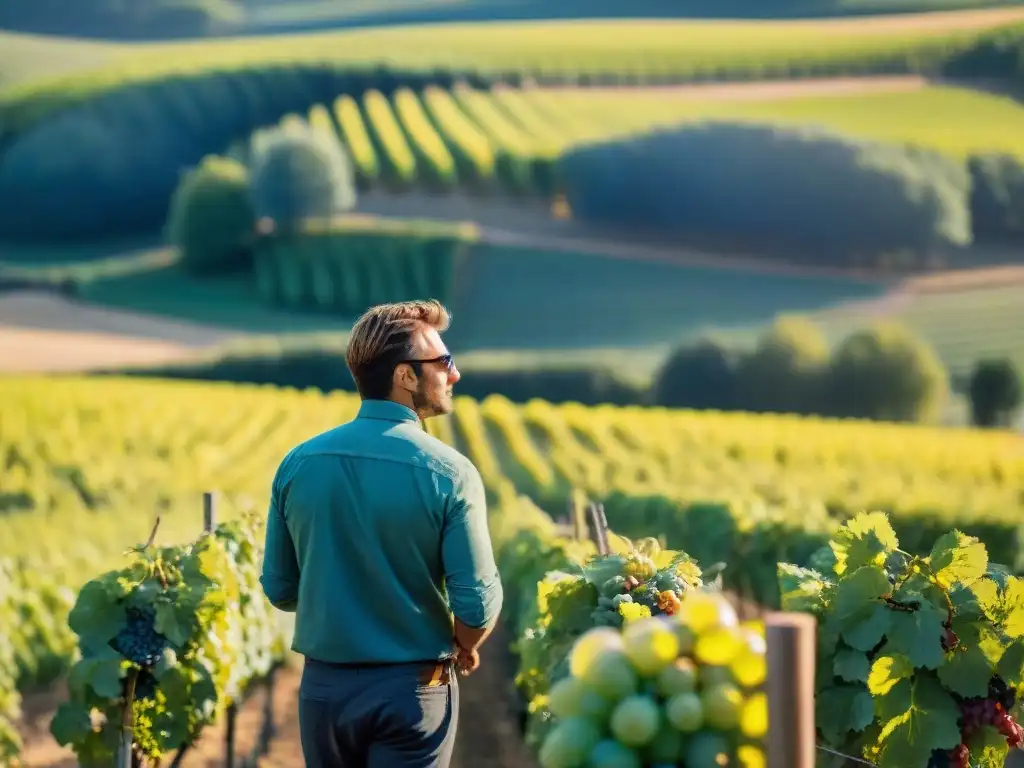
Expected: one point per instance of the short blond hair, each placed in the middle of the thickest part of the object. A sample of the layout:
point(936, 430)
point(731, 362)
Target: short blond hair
point(381, 335)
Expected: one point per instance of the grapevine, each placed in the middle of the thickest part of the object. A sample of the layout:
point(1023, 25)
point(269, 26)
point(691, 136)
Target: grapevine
point(10, 700)
point(183, 623)
point(920, 657)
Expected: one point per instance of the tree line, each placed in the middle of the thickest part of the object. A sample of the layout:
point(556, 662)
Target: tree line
point(882, 371)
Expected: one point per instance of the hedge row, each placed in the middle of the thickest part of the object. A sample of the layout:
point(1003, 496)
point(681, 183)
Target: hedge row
point(342, 267)
point(776, 189)
point(437, 140)
point(325, 369)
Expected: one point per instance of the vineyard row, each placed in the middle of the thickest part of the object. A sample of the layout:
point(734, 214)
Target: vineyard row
point(438, 139)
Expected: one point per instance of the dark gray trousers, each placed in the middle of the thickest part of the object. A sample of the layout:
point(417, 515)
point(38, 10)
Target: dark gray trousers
point(388, 716)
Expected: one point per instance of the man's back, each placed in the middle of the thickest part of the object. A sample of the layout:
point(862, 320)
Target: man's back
point(367, 523)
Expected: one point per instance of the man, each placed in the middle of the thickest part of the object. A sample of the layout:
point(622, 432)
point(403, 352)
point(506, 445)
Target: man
point(377, 539)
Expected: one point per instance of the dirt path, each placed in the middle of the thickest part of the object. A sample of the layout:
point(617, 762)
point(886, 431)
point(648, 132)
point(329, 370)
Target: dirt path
point(44, 332)
point(488, 735)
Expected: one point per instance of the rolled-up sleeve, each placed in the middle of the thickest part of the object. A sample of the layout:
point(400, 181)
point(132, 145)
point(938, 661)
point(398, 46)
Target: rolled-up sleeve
point(471, 577)
point(280, 576)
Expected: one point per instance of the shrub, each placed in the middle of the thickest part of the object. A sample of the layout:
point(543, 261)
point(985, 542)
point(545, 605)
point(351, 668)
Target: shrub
point(211, 220)
point(884, 372)
point(299, 175)
point(997, 195)
point(774, 188)
point(995, 392)
point(345, 265)
point(784, 373)
point(701, 375)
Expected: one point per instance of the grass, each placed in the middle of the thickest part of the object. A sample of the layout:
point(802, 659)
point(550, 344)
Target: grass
point(962, 325)
point(507, 299)
point(954, 120)
point(295, 14)
point(595, 45)
point(519, 308)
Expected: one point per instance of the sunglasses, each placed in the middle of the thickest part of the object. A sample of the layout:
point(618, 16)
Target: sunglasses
point(448, 360)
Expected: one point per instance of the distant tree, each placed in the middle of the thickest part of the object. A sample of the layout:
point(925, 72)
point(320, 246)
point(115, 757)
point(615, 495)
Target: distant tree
point(299, 175)
point(211, 218)
point(885, 372)
point(995, 392)
point(784, 373)
point(701, 375)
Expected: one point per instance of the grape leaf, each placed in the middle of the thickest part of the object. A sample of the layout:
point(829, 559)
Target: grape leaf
point(800, 588)
point(956, 557)
point(851, 665)
point(863, 585)
point(886, 672)
point(105, 676)
point(204, 692)
point(1013, 608)
point(981, 633)
point(926, 723)
point(168, 660)
point(175, 685)
point(102, 671)
point(965, 602)
point(843, 708)
point(861, 540)
point(174, 622)
point(1011, 664)
point(823, 560)
point(967, 671)
point(96, 616)
point(71, 723)
point(988, 748)
point(866, 628)
point(918, 635)
point(988, 595)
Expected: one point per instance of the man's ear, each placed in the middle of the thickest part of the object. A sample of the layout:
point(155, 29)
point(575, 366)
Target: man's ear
point(405, 377)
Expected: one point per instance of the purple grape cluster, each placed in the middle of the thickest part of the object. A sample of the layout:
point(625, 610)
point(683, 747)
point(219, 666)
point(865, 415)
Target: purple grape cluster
point(138, 641)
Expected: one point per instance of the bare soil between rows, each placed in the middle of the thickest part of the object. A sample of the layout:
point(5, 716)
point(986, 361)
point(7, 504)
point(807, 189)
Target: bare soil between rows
point(488, 732)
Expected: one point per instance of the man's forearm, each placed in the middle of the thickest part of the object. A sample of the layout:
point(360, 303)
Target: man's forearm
point(470, 639)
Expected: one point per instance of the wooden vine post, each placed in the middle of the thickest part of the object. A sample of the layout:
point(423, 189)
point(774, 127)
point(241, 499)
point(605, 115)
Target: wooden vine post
point(790, 639)
point(599, 528)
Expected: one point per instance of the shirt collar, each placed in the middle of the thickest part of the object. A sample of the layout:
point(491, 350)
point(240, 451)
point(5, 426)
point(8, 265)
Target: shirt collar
point(386, 410)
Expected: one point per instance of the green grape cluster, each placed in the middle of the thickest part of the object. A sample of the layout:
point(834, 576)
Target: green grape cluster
point(920, 657)
point(666, 691)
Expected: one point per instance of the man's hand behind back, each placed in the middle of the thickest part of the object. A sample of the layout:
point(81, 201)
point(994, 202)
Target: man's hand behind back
point(467, 661)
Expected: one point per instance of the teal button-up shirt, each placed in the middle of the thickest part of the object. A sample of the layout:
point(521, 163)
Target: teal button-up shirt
point(376, 535)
